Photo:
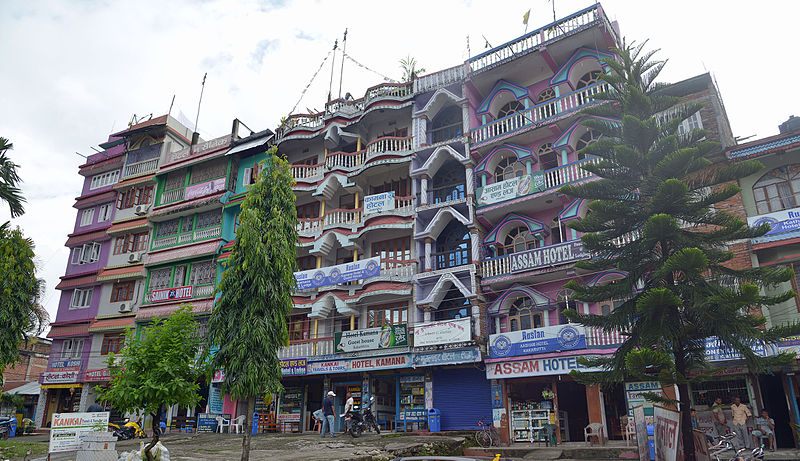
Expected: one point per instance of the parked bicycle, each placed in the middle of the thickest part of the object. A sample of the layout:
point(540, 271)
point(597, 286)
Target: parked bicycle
point(486, 435)
point(719, 450)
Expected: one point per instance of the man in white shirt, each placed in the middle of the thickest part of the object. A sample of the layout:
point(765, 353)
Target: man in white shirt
point(348, 406)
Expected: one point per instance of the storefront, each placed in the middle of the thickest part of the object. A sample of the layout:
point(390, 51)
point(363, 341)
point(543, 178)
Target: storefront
point(100, 377)
point(63, 382)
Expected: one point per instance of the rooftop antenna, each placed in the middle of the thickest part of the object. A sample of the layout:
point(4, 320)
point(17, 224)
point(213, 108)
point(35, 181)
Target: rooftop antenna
point(78, 153)
point(333, 63)
point(202, 87)
point(344, 51)
point(169, 112)
point(95, 149)
point(554, 9)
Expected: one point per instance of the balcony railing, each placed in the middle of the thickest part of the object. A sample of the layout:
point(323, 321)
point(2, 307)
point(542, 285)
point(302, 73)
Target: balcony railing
point(344, 159)
point(305, 172)
point(599, 338)
point(534, 259)
point(533, 39)
point(140, 168)
point(536, 115)
point(195, 236)
point(308, 226)
point(451, 258)
point(307, 348)
point(350, 217)
point(387, 90)
point(171, 196)
point(444, 194)
point(348, 160)
point(439, 79)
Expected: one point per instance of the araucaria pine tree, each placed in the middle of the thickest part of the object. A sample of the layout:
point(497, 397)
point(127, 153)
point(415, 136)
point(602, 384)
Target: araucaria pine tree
point(657, 190)
point(248, 324)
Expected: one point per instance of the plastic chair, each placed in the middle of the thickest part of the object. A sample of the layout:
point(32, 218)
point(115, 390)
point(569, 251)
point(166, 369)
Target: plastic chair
point(629, 432)
point(237, 424)
point(593, 430)
point(223, 423)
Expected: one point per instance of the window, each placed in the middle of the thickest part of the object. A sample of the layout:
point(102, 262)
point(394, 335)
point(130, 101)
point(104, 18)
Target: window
point(81, 298)
point(87, 216)
point(104, 179)
point(393, 253)
point(159, 279)
point(175, 180)
point(587, 79)
point(306, 263)
point(607, 307)
point(508, 168)
point(122, 291)
point(546, 95)
point(131, 242)
point(86, 253)
point(694, 122)
point(400, 188)
point(452, 246)
point(203, 273)
point(167, 228)
point(299, 328)
point(449, 183)
point(347, 202)
point(510, 108)
point(134, 196)
point(517, 240)
point(112, 343)
point(521, 315)
point(179, 278)
point(208, 219)
point(447, 125)
point(778, 190)
point(587, 138)
point(454, 306)
point(308, 211)
point(236, 223)
point(390, 314)
point(548, 159)
point(71, 349)
point(104, 213)
point(705, 392)
point(208, 171)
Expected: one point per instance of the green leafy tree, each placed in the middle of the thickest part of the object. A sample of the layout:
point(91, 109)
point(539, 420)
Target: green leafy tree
point(157, 368)
point(410, 69)
point(248, 324)
point(660, 187)
point(9, 180)
point(21, 313)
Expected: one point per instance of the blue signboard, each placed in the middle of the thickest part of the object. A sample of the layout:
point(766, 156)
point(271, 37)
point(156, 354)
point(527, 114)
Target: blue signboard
point(342, 273)
point(779, 221)
point(716, 351)
point(538, 340)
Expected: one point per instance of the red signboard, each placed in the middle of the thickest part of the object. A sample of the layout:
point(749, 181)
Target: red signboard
point(171, 294)
point(97, 375)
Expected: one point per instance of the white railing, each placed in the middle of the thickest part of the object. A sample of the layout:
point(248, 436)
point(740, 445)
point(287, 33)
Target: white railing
point(203, 290)
point(344, 106)
point(171, 196)
point(533, 39)
point(135, 169)
point(596, 337)
point(184, 238)
point(387, 90)
point(625, 239)
point(342, 217)
point(207, 233)
point(307, 348)
point(308, 226)
point(442, 78)
point(307, 121)
point(388, 144)
point(188, 237)
point(404, 204)
point(401, 271)
point(300, 172)
point(344, 159)
point(568, 173)
point(165, 241)
point(537, 114)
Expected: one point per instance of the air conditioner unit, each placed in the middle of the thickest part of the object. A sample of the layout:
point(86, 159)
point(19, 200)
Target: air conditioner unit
point(125, 307)
point(134, 257)
point(141, 210)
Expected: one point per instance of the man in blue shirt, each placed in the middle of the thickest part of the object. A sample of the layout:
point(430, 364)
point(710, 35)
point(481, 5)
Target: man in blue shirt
point(328, 413)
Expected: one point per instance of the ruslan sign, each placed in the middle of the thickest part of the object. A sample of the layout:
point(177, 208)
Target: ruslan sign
point(342, 273)
point(371, 338)
point(551, 255)
point(779, 221)
point(510, 189)
point(448, 332)
point(538, 340)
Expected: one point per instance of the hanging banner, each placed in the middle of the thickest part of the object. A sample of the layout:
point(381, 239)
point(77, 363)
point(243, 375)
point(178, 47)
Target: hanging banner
point(448, 332)
point(511, 188)
point(67, 430)
point(366, 364)
point(371, 338)
point(204, 188)
point(342, 273)
point(455, 357)
point(538, 340)
point(717, 351)
point(55, 377)
point(379, 202)
point(65, 365)
point(779, 221)
point(103, 374)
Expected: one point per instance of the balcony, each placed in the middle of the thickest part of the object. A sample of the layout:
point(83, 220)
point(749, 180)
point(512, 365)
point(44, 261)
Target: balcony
point(534, 259)
point(307, 348)
point(441, 196)
point(554, 178)
point(536, 116)
point(596, 337)
point(380, 146)
point(451, 258)
point(177, 294)
point(189, 237)
point(387, 91)
point(528, 42)
point(439, 79)
point(193, 191)
point(307, 173)
point(140, 168)
point(350, 217)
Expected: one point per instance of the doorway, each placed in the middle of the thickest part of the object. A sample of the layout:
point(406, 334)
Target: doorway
point(572, 401)
point(775, 403)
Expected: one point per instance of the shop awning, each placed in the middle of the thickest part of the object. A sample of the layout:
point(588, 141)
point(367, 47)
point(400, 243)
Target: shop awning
point(76, 282)
point(139, 224)
point(134, 181)
point(119, 273)
point(163, 310)
point(95, 199)
point(90, 237)
point(63, 331)
point(61, 386)
point(118, 323)
point(31, 388)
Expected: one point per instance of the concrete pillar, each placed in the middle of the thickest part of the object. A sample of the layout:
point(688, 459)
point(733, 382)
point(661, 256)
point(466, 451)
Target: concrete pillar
point(423, 190)
point(470, 181)
point(595, 406)
point(427, 314)
point(41, 405)
point(546, 318)
point(474, 240)
point(476, 314)
point(358, 145)
point(352, 322)
point(428, 260)
point(84, 397)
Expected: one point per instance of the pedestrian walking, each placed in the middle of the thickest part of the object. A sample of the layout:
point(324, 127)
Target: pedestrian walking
point(740, 414)
point(718, 413)
point(327, 412)
point(348, 407)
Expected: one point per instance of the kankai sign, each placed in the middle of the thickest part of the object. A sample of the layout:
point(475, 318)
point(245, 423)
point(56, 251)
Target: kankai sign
point(550, 255)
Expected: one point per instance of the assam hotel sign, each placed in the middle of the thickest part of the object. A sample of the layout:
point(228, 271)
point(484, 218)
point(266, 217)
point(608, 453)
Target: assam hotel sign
point(551, 255)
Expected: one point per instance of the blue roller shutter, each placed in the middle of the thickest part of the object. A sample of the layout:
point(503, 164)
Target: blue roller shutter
point(463, 395)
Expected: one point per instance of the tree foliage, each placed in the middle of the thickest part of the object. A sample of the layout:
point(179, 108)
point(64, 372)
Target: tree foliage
point(9, 181)
point(410, 69)
point(660, 187)
point(248, 324)
point(157, 368)
point(21, 314)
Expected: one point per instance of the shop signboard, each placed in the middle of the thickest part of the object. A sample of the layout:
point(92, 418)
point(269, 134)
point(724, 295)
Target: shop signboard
point(67, 430)
point(538, 340)
point(341, 273)
point(371, 338)
point(293, 367)
point(206, 422)
point(170, 294)
point(716, 351)
point(103, 374)
point(641, 433)
point(379, 202)
point(447, 332)
point(414, 415)
point(701, 451)
point(359, 364)
point(57, 377)
point(779, 221)
point(66, 365)
point(204, 188)
point(519, 186)
point(219, 376)
point(634, 391)
point(536, 367)
point(546, 256)
point(215, 398)
point(328, 366)
point(667, 433)
point(447, 357)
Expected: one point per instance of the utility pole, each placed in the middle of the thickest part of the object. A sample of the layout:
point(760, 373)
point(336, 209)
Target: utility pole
point(344, 51)
point(333, 65)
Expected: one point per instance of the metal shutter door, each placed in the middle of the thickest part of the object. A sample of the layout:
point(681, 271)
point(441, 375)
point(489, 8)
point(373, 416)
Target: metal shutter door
point(463, 396)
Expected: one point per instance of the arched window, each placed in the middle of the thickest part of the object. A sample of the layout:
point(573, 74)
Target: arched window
point(548, 159)
point(546, 95)
point(449, 183)
point(517, 240)
point(510, 108)
point(588, 138)
point(588, 78)
point(521, 315)
point(446, 125)
point(778, 190)
point(452, 246)
point(508, 168)
point(454, 306)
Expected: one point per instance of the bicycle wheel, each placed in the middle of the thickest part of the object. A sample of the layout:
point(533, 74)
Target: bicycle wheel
point(484, 439)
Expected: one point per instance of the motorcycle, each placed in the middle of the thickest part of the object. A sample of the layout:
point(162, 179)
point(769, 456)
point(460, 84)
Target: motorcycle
point(130, 430)
point(358, 422)
point(5, 428)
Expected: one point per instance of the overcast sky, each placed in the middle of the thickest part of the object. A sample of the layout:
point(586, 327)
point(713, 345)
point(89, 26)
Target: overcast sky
point(73, 72)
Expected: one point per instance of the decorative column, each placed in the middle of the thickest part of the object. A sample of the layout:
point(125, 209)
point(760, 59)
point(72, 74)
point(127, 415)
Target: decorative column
point(428, 262)
point(470, 180)
point(473, 237)
point(476, 314)
point(546, 318)
point(423, 190)
point(427, 314)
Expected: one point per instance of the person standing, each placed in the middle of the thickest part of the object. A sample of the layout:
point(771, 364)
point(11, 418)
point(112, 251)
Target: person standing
point(327, 413)
point(348, 407)
point(739, 415)
point(720, 423)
